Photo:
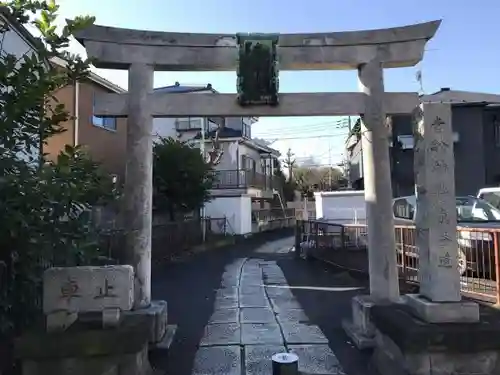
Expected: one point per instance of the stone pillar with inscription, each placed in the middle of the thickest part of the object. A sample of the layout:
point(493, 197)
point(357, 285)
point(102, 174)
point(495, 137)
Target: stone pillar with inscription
point(436, 221)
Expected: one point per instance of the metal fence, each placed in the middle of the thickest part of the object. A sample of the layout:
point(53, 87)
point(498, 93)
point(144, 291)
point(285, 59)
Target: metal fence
point(240, 178)
point(268, 214)
point(169, 239)
point(346, 245)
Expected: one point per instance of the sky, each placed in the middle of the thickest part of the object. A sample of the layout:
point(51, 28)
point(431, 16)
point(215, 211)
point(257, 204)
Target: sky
point(464, 54)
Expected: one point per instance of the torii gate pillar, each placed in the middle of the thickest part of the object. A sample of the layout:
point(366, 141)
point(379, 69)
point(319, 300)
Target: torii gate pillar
point(138, 190)
point(378, 190)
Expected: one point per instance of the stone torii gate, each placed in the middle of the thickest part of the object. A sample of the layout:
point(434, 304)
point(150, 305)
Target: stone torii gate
point(369, 52)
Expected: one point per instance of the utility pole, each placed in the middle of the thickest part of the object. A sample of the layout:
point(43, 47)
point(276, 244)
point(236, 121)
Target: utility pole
point(202, 150)
point(330, 166)
point(348, 160)
point(289, 163)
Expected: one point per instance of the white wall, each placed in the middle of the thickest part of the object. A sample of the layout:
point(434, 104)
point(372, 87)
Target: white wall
point(236, 210)
point(252, 153)
point(164, 127)
point(13, 43)
point(341, 206)
point(246, 214)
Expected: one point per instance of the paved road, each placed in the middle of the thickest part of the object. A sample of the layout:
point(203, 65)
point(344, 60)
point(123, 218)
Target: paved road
point(236, 307)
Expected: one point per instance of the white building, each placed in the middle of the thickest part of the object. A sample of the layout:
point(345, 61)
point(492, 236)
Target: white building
point(244, 176)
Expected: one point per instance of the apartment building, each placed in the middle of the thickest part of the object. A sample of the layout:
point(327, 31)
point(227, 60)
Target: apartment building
point(476, 133)
point(246, 166)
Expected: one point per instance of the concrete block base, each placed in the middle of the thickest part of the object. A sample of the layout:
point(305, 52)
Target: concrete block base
point(360, 339)
point(408, 345)
point(157, 317)
point(84, 350)
point(443, 312)
point(360, 330)
point(158, 353)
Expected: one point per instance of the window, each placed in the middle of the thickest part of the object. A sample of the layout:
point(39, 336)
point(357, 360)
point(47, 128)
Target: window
point(403, 209)
point(246, 129)
point(212, 126)
point(406, 142)
point(108, 123)
point(492, 198)
point(188, 123)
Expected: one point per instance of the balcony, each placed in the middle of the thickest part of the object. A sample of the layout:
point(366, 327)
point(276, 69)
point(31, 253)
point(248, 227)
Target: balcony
point(243, 179)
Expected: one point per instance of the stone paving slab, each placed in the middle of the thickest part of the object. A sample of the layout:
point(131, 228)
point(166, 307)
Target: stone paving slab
point(275, 281)
point(316, 359)
point(278, 291)
point(272, 271)
point(230, 282)
point(301, 333)
point(225, 316)
point(225, 303)
point(221, 334)
point(285, 304)
point(251, 280)
point(217, 360)
point(261, 333)
point(252, 289)
point(257, 315)
point(251, 300)
point(228, 291)
point(258, 358)
point(292, 316)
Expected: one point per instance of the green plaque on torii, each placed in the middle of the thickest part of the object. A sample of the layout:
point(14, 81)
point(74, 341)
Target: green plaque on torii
point(257, 70)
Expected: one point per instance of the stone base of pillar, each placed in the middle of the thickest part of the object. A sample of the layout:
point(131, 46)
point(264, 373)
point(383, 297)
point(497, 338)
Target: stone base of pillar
point(407, 345)
point(87, 348)
point(442, 312)
point(156, 316)
point(360, 329)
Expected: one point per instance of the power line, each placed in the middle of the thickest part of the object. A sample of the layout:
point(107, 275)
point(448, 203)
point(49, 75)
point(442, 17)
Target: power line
point(276, 138)
point(304, 132)
point(339, 124)
point(314, 123)
point(318, 165)
point(328, 129)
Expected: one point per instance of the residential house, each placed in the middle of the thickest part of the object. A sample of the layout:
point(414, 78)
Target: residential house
point(103, 137)
point(476, 132)
point(247, 165)
point(16, 40)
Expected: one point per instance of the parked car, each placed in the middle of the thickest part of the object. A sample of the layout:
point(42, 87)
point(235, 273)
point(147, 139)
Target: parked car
point(490, 195)
point(476, 251)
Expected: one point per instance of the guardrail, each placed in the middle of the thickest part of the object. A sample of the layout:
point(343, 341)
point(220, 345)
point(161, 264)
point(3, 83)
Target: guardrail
point(266, 214)
point(346, 246)
point(169, 239)
point(237, 179)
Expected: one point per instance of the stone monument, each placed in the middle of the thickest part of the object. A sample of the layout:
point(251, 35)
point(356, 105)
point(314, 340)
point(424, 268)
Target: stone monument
point(439, 300)
point(435, 332)
point(88, 330)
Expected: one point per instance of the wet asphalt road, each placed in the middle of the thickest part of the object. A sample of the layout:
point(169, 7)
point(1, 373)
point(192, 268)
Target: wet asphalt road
point(190, 288)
